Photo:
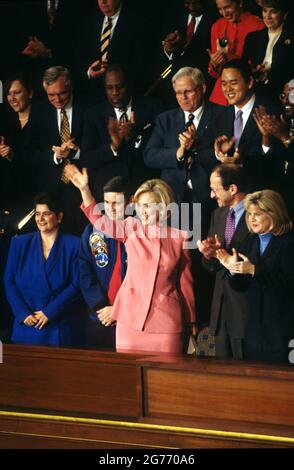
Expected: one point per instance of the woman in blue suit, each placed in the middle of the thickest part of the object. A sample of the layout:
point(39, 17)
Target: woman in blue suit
point(41, 281)
point(263, 270)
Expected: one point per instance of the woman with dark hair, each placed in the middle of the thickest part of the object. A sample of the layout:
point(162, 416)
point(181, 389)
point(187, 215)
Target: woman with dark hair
point(227, 40)
point(263, 270)
point(270, 51)
point(18, 92)
point(41, 281)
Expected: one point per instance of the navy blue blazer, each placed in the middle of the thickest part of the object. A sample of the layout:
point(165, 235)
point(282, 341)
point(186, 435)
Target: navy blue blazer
point(160, 152)
point(96, 266)
point(51, 286)
point(270, 297)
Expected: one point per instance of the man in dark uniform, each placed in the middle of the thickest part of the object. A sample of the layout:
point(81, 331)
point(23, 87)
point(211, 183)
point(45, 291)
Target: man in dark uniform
point(102, 265)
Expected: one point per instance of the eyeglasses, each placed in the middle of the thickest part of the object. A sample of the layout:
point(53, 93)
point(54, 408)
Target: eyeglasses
point(186, 92)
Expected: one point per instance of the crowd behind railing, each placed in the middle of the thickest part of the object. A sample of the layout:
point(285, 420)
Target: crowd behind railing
point(179, 107)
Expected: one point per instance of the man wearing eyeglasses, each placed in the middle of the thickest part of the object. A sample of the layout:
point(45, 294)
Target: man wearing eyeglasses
point(177, 137)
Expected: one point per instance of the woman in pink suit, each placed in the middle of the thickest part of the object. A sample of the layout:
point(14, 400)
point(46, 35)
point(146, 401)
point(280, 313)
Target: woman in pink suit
point(154, 308)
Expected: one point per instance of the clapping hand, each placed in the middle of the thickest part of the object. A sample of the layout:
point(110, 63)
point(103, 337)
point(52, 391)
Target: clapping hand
point(209, 246)
point(222, 145)
point(5, 150)
point(231, 263)
point(63, 151)
point(172, 42)
point(187, 141)
point(97, 68)
point(36, 49)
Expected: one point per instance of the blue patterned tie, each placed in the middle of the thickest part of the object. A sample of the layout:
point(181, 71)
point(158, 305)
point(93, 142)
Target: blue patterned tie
point(229, 227)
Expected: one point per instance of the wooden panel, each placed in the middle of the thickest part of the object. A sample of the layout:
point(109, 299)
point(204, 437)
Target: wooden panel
point(34, 433)
point(218, 396)
point(88, 382)
point(168, 401)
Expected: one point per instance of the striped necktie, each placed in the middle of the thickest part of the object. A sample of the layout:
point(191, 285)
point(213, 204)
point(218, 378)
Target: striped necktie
point(64, 137)
point(123, 117)
point(105, 40)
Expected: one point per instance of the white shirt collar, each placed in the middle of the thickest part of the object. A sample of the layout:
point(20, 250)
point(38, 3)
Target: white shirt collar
point(197, 115)
point(197, 20)
point(118, 111)
point(68, 109)
point(247, 108)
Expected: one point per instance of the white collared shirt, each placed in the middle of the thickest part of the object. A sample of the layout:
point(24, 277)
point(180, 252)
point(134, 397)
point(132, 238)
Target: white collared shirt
point(68, 109)
point(197, 116)
point(114, 20)
point(119, 112)
point(247, 109)
point(197, 22)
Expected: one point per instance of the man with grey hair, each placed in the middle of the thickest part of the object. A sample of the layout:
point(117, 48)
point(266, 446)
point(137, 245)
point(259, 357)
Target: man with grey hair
point(174, 149)
point(53, 137)
point(176, 139)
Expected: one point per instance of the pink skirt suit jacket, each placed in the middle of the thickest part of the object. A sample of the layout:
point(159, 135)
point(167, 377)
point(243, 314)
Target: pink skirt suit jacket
point(156, 301)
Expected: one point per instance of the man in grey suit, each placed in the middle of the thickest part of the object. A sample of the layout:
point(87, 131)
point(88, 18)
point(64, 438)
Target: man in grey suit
point(227, 229)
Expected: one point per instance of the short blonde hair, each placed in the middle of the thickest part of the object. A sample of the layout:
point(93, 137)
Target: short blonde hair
point(162, 192)
point(272, 203)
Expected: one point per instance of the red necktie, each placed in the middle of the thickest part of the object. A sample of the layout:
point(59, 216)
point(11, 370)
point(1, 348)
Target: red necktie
point(116, 278)
point(190, 30)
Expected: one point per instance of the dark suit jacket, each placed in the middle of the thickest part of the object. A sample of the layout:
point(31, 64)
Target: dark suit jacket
point(282, 68)
point(97, 154)
point(127, 47)
point(264, 170)
point(94, 276)
point(270, 297)
point(226, 301)
point(41, 135)
point(161, 150)
point(195, 54)
point(95, 279)
point(59, 36)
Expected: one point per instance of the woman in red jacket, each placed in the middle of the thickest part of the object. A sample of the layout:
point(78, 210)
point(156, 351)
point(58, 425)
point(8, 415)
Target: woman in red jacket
point(228, 36)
